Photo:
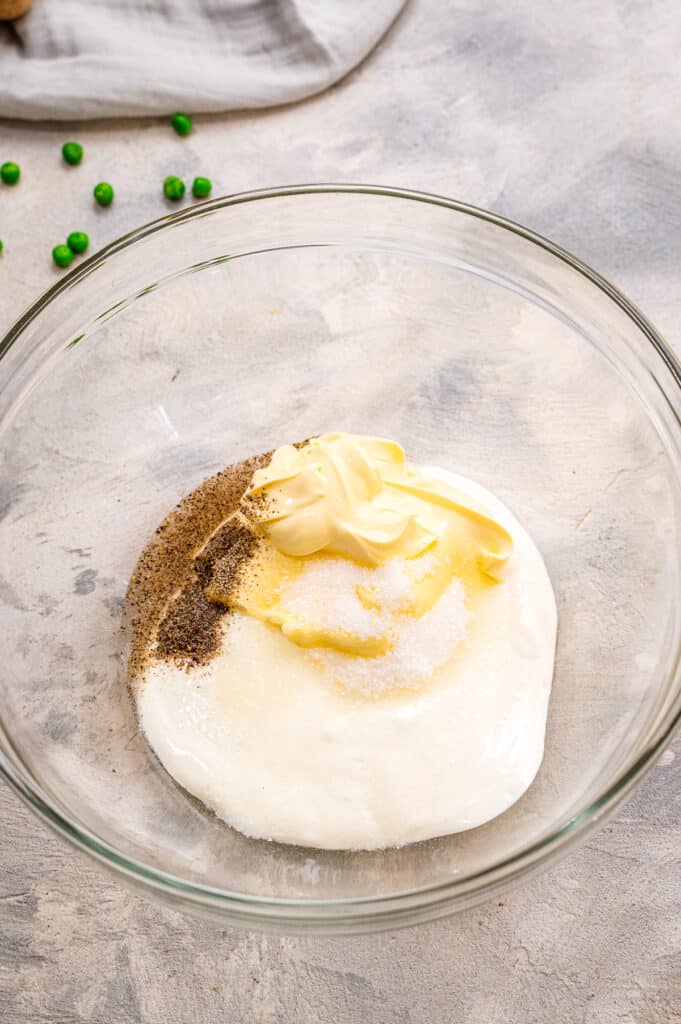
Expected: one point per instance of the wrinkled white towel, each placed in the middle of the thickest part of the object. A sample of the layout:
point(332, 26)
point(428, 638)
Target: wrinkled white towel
point(73, 59)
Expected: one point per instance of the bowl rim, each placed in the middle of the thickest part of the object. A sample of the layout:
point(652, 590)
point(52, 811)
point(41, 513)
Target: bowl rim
point(352, 914)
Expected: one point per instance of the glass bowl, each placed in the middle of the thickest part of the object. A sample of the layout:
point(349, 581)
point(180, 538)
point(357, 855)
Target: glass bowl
point(245, 322)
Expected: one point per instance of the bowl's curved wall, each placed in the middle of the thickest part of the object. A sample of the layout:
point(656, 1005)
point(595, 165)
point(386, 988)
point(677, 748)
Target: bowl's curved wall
point(249, 323)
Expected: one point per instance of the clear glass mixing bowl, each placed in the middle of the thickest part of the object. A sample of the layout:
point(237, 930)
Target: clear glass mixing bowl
point(240, 324)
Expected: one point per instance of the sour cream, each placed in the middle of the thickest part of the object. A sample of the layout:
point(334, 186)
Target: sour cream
point(274, 737)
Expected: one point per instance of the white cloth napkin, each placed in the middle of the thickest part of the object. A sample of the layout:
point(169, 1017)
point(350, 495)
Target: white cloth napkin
point(73, 59)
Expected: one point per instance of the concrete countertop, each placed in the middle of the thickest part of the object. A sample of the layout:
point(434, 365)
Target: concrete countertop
point(564, 118)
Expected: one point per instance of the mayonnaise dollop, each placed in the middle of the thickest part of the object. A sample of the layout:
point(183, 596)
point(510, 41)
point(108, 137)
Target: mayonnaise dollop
point(357, 496)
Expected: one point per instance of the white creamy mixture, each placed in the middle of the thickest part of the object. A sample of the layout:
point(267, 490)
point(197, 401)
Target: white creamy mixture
point(316, 747)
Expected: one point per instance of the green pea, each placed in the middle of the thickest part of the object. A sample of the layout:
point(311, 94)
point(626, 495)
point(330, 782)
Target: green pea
point(173, 188)
point(202, 187)
point(72, 153)
point(10, 173)
point(182, 124)
point(78, 241)
point(103, 193)
point(1, 247)
point(62, 255)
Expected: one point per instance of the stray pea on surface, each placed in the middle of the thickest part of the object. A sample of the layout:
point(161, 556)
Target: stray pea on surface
point(10, 173)
point(72, 153)
point(182, 124)
point(62, 255)
point(78, 241)
point(173, 188)
point(202, 187)
point(103, 193)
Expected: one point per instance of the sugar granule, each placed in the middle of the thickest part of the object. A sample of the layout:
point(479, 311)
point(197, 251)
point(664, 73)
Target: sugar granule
point(326, 595)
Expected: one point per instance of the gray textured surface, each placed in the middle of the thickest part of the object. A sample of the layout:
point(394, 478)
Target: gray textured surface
point(565, 121)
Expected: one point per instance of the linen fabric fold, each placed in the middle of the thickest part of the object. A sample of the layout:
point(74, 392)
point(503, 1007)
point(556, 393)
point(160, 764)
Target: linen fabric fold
point(76, 59)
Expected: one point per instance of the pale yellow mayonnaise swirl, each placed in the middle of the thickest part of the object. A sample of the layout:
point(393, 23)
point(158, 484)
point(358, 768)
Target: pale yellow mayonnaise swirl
point(358, 497)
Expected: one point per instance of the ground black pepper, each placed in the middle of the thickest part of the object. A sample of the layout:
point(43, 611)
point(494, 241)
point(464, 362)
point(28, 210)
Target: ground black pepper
point(166, 609)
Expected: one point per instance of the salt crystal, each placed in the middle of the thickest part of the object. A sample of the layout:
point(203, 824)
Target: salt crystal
point(326, 596)
point(420, 647)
